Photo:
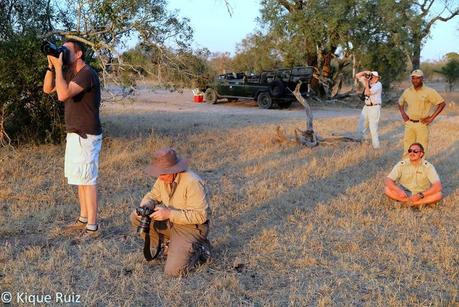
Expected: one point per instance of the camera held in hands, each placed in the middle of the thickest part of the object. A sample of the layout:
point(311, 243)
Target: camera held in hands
point(368, 76)
point(49, 48)
point(145, 213)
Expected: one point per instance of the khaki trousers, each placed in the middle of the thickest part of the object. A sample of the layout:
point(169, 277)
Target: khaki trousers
point(184, 242)
point(415, 133)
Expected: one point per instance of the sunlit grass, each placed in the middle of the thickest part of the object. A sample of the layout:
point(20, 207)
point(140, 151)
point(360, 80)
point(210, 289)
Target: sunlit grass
point(290, 225)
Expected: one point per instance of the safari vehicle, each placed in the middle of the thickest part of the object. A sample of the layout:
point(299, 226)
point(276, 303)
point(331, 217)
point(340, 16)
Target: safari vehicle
point(269, 89)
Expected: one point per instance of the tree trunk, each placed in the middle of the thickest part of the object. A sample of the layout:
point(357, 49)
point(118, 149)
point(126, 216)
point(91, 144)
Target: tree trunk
point(416, 57)
point(4, 138)
point(307, 108)
point(354, 72)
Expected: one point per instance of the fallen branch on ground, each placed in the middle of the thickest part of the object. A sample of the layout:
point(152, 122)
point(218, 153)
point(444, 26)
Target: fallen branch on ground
point(309, 137)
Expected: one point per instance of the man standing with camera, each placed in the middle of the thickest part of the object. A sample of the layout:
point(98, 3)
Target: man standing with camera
point(182, 218)
point(77, 86)
point(418, 99)
point(369, 117)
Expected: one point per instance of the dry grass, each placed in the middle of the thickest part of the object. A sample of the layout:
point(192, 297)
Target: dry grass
point(290, 225)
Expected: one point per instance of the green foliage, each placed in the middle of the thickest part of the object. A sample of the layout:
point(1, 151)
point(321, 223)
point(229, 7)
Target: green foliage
point(163, 39)
point(221, 62)
point(379, 34)
point(26, 113)
point(451, 56)
point(190, 69)
point(451, 72)
point(432, 69)
point(310, 32)
point(172, 69)
point(109, 24)
point(429, 69)
point(381, 41)
point(256, 53)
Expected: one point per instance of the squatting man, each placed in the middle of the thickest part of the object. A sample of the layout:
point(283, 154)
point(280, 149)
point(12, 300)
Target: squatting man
point(181, 220)
point(414, 181)
point(77, 86)
point(369, 117)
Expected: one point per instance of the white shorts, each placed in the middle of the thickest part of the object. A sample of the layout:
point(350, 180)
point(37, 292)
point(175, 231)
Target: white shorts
point(82, 159)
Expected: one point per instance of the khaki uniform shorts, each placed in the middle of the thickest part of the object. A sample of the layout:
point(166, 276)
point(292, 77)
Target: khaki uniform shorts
point(82, 159)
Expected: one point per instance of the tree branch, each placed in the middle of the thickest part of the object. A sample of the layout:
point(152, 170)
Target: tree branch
point(287, 5)
point(439, 18)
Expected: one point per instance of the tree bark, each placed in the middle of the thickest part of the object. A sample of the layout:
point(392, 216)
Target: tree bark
point(416, 58)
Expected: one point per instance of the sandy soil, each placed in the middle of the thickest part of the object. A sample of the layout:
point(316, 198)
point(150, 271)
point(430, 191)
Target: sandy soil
point(166, 101)
point(150, 101)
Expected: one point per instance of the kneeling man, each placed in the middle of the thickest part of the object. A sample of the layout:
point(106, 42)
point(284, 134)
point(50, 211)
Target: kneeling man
point(414, 180)
point(183, 217)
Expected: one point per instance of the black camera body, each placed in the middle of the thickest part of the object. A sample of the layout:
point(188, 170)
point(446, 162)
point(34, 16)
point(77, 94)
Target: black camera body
point(368, 76)
point(145, 212)
point(49, 48)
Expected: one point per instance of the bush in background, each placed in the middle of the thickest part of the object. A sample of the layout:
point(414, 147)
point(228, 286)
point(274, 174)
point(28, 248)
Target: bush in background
point(26, 113)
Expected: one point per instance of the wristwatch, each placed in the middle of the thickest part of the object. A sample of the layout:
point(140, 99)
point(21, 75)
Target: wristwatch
point(421, 194)
point(50, 69)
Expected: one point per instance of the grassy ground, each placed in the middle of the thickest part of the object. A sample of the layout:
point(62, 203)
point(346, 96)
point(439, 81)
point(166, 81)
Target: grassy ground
point(290, 225)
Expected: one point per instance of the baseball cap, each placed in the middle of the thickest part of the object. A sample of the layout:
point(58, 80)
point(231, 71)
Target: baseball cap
point(375, 73)
point(417, 73)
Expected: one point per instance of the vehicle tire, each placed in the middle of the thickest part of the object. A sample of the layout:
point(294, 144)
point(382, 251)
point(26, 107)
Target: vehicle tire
point(265, 101)
point(285, 104)
point(277, 88)
point(232, 99)
point(211, 96)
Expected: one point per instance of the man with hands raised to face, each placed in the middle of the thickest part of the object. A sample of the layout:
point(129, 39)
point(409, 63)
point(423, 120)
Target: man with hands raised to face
point(77, 86)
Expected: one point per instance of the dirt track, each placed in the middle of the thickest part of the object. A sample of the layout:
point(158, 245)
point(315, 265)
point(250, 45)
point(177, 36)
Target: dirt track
point(165, 101)
point(151, 103)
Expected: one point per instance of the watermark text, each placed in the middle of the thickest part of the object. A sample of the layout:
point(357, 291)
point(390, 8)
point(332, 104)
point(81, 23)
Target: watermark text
point(19, 297)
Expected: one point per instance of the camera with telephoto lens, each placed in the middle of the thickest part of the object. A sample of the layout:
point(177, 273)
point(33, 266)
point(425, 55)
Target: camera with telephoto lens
point(49, 48)
point(145, 212)
point(368, 76)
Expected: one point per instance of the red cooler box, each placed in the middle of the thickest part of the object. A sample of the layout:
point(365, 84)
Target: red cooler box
point(198, 98)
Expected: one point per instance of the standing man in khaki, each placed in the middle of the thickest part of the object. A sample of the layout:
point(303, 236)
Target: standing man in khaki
point(77, 86)
point(418, 100)
point(183, 217)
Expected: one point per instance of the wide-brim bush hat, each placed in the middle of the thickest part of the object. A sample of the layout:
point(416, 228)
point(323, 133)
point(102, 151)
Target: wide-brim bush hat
point(166, 161)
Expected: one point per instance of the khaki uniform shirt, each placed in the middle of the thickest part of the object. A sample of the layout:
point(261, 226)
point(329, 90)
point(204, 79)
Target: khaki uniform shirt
point(419, 102)
point(416, 178)
point(189, 202)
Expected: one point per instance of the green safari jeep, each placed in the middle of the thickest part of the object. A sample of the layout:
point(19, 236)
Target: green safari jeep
point(268, 89)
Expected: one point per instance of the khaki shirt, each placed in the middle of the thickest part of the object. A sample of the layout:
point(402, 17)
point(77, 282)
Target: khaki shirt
point(416, 178)
point(419, 102)
point(189, 203)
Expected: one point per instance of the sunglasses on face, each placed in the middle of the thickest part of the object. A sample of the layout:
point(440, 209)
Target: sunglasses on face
point(414, 150)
